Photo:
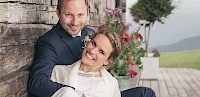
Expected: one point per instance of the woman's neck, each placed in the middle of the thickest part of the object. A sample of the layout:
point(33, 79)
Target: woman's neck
point(87, 68)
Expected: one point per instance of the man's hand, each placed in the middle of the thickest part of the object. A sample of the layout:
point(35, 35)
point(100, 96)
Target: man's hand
point(83, 95)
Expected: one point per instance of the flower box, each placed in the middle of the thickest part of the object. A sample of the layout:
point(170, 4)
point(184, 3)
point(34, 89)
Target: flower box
point(127, 82)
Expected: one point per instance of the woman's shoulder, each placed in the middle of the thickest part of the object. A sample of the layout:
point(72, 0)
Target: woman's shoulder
point(108, 75)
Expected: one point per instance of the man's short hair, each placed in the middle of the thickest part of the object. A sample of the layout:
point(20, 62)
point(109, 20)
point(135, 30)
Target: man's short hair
point(60, 2)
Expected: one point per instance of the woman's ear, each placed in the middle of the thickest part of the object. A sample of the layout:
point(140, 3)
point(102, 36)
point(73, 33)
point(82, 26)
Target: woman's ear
point(108, 62)
point(111, 61)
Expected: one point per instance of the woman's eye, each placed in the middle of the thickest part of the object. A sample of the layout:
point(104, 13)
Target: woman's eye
point(102, 52)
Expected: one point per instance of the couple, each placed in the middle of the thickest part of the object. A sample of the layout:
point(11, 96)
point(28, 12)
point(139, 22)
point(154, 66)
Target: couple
point(63, 45)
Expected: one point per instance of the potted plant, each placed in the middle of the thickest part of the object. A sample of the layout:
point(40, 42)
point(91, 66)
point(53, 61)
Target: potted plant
point(128, 64)
point(146, 13)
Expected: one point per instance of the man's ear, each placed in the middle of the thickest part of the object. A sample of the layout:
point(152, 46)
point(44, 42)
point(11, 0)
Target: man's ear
point(58, 13)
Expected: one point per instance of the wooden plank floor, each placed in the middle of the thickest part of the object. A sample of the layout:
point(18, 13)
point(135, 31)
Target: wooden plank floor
point(175, 82)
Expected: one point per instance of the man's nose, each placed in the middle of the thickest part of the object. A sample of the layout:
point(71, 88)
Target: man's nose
point(75, 21)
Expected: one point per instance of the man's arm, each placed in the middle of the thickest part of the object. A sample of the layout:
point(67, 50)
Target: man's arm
point(45, 59)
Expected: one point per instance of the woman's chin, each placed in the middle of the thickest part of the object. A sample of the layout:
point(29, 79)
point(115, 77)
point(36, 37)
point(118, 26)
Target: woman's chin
point(84, 60)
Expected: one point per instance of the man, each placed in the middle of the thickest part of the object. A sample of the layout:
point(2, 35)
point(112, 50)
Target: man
point(61, 45)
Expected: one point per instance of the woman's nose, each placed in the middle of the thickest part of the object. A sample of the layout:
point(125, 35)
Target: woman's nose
point(93, 50)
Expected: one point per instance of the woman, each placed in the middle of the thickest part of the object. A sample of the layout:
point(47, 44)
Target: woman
point(89, 76)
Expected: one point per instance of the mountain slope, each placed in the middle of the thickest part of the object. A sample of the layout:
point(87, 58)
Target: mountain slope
point(192, 43)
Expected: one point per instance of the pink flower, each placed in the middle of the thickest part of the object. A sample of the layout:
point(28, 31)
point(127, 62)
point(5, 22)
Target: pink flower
point(117, 10)
point(109, 10)
point(132, 73)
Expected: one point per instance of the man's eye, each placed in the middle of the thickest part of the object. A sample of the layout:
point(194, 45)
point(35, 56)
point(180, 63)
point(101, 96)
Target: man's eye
point(68, 15)
point(93, 43)
point(80, 15)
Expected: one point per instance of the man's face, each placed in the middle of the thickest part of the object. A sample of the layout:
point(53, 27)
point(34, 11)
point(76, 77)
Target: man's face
point(73, 16)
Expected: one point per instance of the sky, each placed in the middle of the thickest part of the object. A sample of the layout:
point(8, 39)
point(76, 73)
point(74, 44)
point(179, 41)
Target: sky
point(184, 22)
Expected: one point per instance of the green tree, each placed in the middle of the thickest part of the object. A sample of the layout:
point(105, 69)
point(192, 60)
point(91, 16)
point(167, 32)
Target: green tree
point(150, 11)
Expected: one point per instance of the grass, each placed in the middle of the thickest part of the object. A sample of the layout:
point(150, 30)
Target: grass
point(185, 59)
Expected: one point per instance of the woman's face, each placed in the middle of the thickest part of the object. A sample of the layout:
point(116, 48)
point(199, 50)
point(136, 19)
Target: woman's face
point(97, 52)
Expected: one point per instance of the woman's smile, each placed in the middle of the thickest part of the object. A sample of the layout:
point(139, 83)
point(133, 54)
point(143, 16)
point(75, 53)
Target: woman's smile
point(90, 56)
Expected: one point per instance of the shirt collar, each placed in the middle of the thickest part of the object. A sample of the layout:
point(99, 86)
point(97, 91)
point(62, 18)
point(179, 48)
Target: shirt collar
point(79, 34)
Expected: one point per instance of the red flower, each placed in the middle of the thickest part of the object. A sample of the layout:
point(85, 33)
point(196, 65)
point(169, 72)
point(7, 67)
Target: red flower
point(125, 37)
point(100, 27)
point(139, 36)
point(131, 64)
point(133, 73)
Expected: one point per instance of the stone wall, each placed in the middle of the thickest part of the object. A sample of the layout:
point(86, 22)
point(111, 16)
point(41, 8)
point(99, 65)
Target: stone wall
point(16, 54)
point(21, 23)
